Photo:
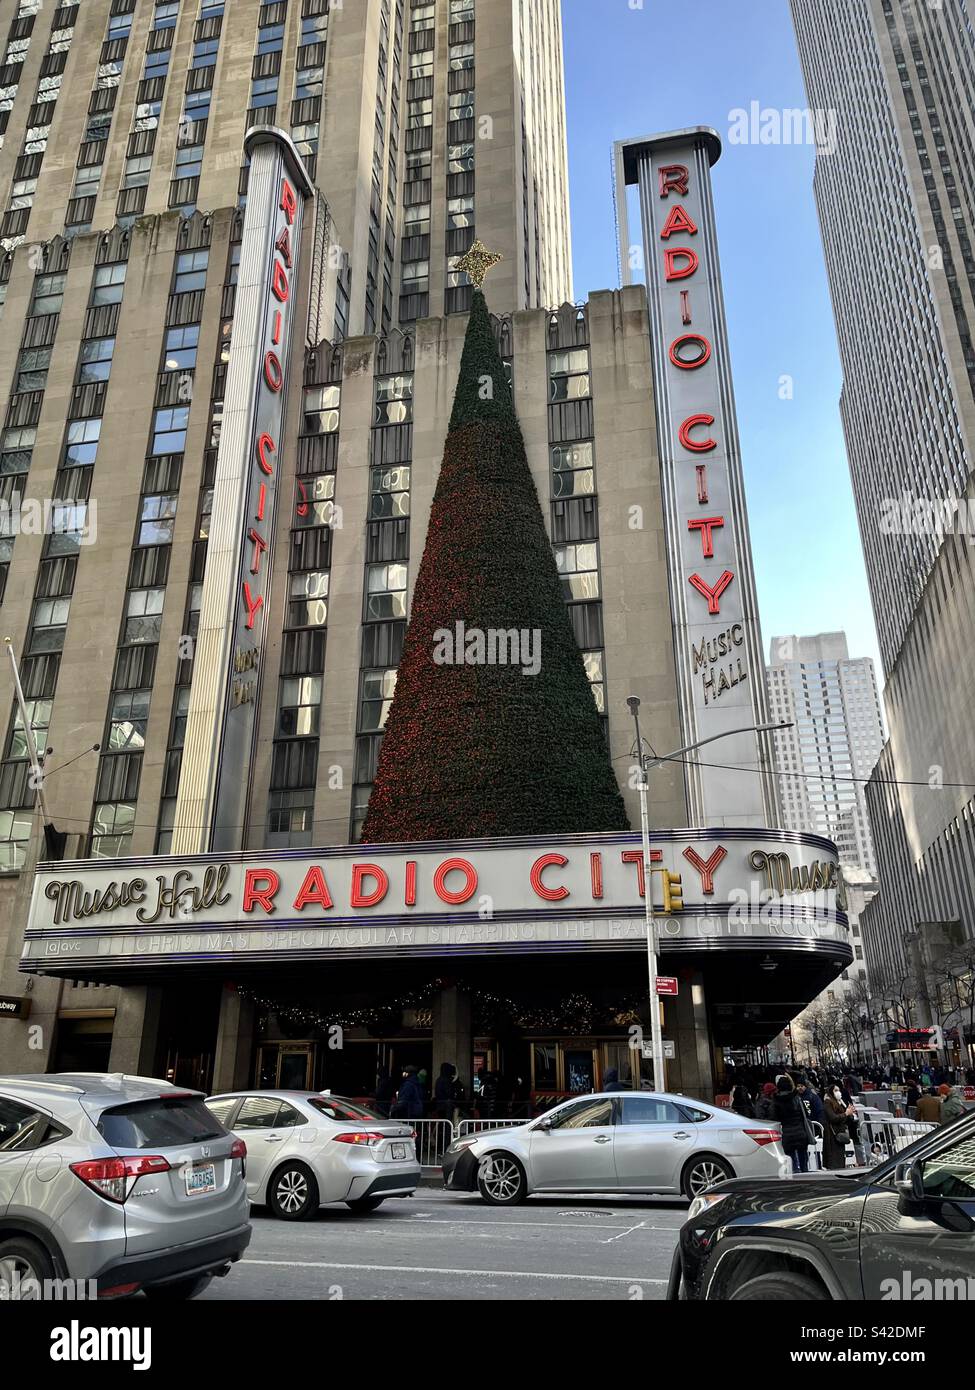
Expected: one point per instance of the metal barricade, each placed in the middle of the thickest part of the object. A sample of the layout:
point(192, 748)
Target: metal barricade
point(475, 1126)
point(884, 1136)
point(433, 1137)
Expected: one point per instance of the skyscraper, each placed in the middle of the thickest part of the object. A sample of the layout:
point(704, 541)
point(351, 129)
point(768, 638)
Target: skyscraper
point(897, 209)
point(834, 706)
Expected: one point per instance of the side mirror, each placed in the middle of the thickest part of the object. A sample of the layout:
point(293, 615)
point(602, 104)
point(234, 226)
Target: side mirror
point(544, 1123)
point(909, 1180)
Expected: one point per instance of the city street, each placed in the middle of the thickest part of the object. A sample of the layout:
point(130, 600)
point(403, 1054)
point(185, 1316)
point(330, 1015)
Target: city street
point(441, 1246)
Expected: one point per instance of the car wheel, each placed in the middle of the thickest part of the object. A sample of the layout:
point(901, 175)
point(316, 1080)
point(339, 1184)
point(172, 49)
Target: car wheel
point(501, 1180)
point(292, 1193)
point(22, 1260)
point(365, 1203)
point(178, 1291)
point(702, 1173)
point(780, 1288)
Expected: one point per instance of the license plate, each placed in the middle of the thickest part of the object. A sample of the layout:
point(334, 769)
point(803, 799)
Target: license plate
point(399, 1151)
point(202, 1177)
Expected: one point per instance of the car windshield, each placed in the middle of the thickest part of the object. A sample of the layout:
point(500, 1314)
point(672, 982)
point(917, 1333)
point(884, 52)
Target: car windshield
point(161, 1123)
point(335, 1108)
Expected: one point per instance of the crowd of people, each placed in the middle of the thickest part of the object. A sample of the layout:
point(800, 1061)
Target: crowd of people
point(409, 1097)
point(805, 1103)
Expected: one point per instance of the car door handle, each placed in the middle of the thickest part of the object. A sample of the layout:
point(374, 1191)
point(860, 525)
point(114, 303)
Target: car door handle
point(274, 1139)
point(681, 1134)
point(603, 1139)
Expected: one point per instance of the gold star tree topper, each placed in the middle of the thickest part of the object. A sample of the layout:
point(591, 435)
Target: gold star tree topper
point(477, 262)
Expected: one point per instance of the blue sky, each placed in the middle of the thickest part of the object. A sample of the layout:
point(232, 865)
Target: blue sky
point(639, 70)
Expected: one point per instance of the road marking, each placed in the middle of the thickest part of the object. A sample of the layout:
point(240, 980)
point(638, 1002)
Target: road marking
point(467, 1273)
point(640, 1226)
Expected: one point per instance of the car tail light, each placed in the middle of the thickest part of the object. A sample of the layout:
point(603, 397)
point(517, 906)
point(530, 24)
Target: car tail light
point(366, 1137)
point(120, 1291)
point(764, 1136)
point(114, 1178)
point(239, 1150)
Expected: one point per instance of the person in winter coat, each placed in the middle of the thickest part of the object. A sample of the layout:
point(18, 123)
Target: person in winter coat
point(791, 1115)
point(765, 1105)
point(410, 1100)
point(445, 1092)
point(929, 1107)
point(837, 1133)
point(741, 1103)
point(813, 1102)
point(951, 1107)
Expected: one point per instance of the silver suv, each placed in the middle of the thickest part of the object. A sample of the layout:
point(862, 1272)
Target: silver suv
point(122, 1182)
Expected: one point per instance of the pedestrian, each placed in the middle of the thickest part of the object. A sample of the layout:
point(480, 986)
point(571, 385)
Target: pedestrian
point(445, 1092)
point(612, 1082)
point(741, 1103)
point(952, 1107)
point(836, 1136)
point(797, 1132)
point(490, 1096)
point(912, 1095)
point(410, 1100)
point(813, 1102)
point(385, 1092)
point(765, 1105)
point(929, 1107)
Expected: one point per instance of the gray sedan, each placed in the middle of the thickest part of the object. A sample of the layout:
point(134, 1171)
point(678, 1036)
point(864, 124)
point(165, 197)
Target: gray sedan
point(624, 1142)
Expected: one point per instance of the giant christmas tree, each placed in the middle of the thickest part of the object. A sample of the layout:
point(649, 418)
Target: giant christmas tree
point(474, 747)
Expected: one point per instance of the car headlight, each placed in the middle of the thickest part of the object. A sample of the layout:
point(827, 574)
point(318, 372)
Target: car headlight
point(459, 1145)
point(704, 1203)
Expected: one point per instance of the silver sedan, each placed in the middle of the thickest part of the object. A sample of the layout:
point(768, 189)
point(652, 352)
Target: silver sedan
point(635, 1141)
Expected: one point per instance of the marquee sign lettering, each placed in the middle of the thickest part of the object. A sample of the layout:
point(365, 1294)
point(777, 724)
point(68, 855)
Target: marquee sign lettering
point(716, 636)
point(465, 887)
point(228, 661)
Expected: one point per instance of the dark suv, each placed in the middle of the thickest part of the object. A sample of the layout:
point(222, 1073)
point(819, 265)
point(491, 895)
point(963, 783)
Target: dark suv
point(903, 1230)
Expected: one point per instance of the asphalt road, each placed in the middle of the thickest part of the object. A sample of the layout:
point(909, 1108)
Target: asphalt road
point(438, 1245)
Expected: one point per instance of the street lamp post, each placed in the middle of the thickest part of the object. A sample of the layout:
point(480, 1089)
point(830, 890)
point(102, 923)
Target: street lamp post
point(647, 763)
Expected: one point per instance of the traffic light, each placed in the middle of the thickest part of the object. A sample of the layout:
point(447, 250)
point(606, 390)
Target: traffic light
point(673, 893)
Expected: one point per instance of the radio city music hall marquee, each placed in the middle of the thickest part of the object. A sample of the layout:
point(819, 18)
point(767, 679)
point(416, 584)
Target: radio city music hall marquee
point(716, 638)
point(461, 896)
point(221, 723)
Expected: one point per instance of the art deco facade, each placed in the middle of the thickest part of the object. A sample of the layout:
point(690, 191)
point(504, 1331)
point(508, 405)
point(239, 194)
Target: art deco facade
point(897, 209)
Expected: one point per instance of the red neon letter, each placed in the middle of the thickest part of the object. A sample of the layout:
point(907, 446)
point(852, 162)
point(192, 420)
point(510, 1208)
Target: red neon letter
point(702, 483)
point(675, 272)
point(252, 604)
point(254, 893)
point(706, 867)
point(712, 595)
point(314, 889)
point(549, 895)
point(288, 204)
point(462, 895)
point(678, 221)
point(274, 372)
point(673, 179)
point(283, 246)
point(410, 894)
point(261, 501)
point(279, 284)
point(265, 445)
point(260, 545)
point(706, 525)
point(691, 423)
point(596, 874)
point(635, 856)
point(360, 872)
point(704, 352)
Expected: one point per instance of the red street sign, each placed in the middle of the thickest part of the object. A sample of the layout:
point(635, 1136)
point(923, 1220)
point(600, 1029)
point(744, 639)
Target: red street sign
point(666, 984)
point(969, 1093)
